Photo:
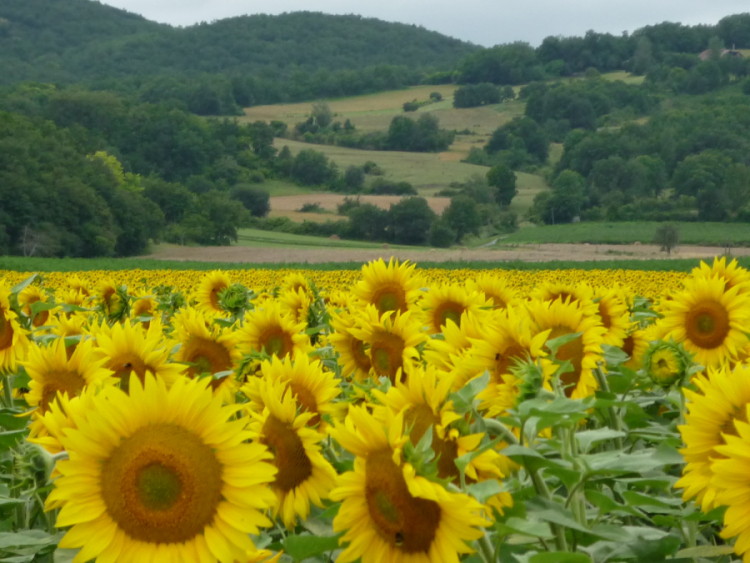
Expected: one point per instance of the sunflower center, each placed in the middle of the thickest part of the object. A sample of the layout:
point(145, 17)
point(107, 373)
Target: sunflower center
point(419, 418)
point(207, 356)
point(448, 311)
point(159, 486)
point(288, 454)
point(571, 351)
point(276, 342)
point(506, 359)
point(386, 354)
point(390, 298)
point(6, 332)
point(306, 400)
point(402, 520)
point(69, 382)
point(357, 349)
point(162, 484)
point(707, 324)
point(604, 315)
point(124, 365)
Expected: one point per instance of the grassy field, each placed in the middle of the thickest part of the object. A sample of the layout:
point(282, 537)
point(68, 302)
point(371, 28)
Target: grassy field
point(427, 172)
point(41, 265)
point(709, 234)
point(273, 239)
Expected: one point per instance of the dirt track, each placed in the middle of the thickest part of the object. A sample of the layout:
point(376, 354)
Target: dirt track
point(526, 253)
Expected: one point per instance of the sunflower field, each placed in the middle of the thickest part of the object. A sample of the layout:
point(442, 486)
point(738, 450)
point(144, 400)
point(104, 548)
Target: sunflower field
point(388, 414)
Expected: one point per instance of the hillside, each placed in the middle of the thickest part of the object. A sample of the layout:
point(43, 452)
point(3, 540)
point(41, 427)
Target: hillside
point(82, 40)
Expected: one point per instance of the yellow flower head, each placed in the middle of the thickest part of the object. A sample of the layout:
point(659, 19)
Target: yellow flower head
point(304, 476)
point(162, 474)
point(711, 321)
point(388, 512)
point(389, 287)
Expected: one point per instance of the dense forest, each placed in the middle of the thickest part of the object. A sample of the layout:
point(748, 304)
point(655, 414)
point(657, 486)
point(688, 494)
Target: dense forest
point(103, 147)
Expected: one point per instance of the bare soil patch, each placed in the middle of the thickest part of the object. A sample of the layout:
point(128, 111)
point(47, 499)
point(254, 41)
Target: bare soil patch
point(523, 252)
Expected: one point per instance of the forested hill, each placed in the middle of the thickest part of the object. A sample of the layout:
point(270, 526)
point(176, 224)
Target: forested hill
point(82, 40)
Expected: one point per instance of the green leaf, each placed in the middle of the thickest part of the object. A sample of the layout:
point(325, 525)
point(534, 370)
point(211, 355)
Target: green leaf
point(525, 527)
point(301, 547)
point(9, 420)
point(34, 540)
point(559, 557)
point(10, 438)
point(24, 284)
point(586, 438)
point(463, 399)
point(705, 551)
point(484, 489)
point(554, 344)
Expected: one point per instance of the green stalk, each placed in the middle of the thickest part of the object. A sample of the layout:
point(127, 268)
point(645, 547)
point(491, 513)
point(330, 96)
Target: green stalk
point(8, 391)
point(614, 417)
point(486, 550)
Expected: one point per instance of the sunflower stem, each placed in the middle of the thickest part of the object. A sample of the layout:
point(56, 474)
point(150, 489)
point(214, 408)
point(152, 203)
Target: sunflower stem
point(486, 549)
point(8, 391)
point(540, 486)
point(498, 427)
point(614, 417)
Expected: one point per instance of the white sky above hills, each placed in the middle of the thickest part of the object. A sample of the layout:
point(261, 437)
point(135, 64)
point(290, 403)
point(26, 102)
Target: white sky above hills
point(484, 22)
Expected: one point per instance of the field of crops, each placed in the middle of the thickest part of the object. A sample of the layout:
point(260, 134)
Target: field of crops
point(382, 413)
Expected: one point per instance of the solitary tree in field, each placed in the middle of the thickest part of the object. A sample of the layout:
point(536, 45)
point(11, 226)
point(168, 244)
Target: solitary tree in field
point(667, 236)
point(503, 179)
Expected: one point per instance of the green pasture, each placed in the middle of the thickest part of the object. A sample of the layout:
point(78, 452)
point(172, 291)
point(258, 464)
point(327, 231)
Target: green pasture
point(42, 265)
point(256, 238)
point(709, 234)
point(425, 171)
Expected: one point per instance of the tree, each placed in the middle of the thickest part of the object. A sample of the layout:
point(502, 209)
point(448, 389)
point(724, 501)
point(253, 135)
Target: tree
point(503, 179)
point(462, 215)
point(409, 220)
point(311, 168)
point(256, 200)
point(667, 236)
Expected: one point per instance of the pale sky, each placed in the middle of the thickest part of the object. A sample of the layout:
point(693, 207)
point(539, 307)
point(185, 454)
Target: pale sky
point(484, 22)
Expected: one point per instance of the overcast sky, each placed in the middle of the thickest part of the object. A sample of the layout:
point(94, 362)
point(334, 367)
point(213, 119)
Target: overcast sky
point(484, 22)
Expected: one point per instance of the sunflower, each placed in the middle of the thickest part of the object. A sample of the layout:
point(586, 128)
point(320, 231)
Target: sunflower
point(133, 348)
point(444, 304)
point(311, 385)
point(509, 338)
point(113, 300)
point(296, 303)
point(352, 354)
point(731, 477)
point(268, 330)
point(450, 350)
point(614, 314)
point(47, 429)
point(635, 344)
point(389, 287)
point(713, 411)
point(304, 476)
point(206, 348)
point(51, 371)
point(565, 292)
point(732, 273)
point(580, 322)
point(424, 403)
point(495, 288)
point(711, 321)
point(208, 291)
point(13, 339)
point(162, 474)
point(31, 295)
point(392, 340)
point(388, 512)
point(666, 363)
